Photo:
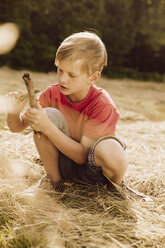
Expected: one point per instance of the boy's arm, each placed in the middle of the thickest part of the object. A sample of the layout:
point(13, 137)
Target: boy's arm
point(39, 121)
point(76, 151)
point(15, 121)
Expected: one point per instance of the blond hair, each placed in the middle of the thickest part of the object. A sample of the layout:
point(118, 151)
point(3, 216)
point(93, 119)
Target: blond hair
point(85, 46)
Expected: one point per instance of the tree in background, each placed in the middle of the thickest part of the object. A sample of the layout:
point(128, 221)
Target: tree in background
point(117, 29)
point(149, 46)
point(133, 31)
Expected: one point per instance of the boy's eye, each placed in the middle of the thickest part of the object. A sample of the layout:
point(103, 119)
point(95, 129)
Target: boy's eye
point(71, 75)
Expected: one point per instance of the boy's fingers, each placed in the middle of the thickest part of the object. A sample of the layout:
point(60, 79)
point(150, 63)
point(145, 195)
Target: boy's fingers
point(23, 97)
point(38, 105)
point(20, 95)
point(16, 96)
point(32, 111)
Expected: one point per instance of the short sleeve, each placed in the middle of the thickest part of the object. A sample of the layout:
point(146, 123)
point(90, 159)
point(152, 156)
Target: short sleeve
point(44, 98)
point(49, 96)
point(102, 122)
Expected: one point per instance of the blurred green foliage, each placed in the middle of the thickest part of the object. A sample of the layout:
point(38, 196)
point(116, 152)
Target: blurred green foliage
point(132, 30)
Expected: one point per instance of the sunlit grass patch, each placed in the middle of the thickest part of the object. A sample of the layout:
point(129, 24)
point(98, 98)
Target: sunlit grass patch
point(84, 216)
point(4, 220)
point(10, 239)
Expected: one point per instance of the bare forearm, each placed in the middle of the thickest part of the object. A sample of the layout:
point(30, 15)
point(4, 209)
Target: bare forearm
point(40, 122)
point(17, 102)
point(66, 145)
point(15, 122)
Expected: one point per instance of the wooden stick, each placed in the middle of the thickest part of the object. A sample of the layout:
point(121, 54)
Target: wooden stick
point(23, 97)
point(31, 94)
point(30, 89)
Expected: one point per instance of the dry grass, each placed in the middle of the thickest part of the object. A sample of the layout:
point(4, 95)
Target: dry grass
point(86, 216)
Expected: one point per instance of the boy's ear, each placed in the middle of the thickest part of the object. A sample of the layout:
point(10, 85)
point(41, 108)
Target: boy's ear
point(94, 77)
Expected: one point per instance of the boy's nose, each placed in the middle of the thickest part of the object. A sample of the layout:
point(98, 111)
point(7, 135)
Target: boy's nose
point(63, 78)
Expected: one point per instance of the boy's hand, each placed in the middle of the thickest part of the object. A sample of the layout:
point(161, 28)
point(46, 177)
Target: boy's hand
point(15, 104)
point(37, 118)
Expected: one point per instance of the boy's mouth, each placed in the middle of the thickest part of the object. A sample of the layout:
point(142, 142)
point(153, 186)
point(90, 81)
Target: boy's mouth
point(63, 87)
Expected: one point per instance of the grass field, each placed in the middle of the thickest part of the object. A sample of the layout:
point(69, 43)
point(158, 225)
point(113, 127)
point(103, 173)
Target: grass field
point(85, 216)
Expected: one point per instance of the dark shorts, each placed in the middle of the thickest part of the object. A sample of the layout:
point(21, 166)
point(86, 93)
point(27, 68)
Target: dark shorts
point(69, 170)
point(89, 173)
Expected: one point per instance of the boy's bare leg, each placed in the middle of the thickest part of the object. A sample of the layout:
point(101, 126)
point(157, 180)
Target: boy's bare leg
point(49, 156)
point(110, 155)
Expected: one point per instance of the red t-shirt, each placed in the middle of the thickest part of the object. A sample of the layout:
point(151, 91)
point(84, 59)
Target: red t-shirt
point(95, 116)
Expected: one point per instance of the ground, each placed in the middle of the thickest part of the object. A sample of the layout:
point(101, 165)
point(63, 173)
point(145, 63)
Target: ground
point(86, 216)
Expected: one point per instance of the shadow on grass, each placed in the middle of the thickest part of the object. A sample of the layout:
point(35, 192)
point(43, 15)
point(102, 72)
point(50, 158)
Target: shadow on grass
point(95, 199)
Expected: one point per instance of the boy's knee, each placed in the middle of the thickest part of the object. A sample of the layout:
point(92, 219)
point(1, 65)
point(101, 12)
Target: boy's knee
point(109, 154)
point(58, 119)
point(108, 148)
point(54, 115)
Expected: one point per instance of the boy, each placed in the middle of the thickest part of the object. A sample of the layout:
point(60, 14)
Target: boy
point(77, 120)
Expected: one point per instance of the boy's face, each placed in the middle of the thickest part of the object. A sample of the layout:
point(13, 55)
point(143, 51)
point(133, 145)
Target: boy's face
point(73, 82)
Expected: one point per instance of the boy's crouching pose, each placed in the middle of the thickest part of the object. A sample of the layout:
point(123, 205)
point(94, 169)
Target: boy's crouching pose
point(77, 120)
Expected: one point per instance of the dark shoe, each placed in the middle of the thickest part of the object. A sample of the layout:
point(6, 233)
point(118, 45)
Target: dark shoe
point(123, 191)
point(115, 189)
point(134, 195)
